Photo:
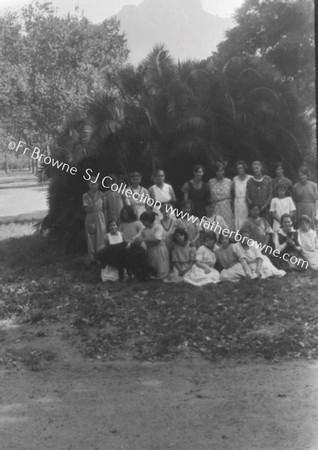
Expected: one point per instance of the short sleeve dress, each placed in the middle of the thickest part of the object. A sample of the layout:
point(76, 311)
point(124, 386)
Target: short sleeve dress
point(305, 197)
point(221, 193)
point(158, 255)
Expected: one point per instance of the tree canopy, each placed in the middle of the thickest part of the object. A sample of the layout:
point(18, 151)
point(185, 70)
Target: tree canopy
point(50, 64)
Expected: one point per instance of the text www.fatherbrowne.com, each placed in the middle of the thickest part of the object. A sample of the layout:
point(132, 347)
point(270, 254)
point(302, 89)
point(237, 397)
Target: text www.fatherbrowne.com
point(215, 226)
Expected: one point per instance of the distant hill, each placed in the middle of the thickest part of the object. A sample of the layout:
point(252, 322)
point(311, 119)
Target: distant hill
point(182, 25)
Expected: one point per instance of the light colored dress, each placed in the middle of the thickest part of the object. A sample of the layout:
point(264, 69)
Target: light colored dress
point(184, 255)
point(308, 242)
point(113, 205)
point(138, 205)
point(196, 276)
point(110, 273)
point(281, 206)
point(305, 197)
point(251, 254)
point(95, 225)
point(158, 255)
point(130, 230)
point(240, 205)
point(229, 260)
point(163, 195)
point(221, 194)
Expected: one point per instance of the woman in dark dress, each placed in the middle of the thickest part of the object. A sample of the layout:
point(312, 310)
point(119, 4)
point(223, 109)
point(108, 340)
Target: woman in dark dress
point(281, 179)
point(196, 191)
point(259, 190)
point(305, 197)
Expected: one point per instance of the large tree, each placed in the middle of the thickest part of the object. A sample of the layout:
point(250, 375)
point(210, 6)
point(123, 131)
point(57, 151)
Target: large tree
point(282, 33)
point(50, 64)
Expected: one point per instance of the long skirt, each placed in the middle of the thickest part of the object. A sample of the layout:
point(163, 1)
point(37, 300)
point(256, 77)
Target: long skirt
point(197, 277)
point(158, 258)
point(236, 272)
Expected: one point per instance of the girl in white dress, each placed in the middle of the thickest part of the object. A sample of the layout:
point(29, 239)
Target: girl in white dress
point(161, 192)
point(239, 187)
point(202, 272)
point(139, 192)
point(309, 242)
point(281, 205)
point(110, 273)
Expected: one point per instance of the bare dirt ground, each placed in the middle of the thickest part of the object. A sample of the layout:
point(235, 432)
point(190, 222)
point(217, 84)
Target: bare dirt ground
point(52, 398)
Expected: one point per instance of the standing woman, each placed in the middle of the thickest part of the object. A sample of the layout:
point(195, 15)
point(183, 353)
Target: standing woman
point(221, 194)
point(161, 191)
point(259, 189)
point(196, 191)
point(239, 188)
point(95, 224)
point(305, 197)
point(114, 202)
point(134, 200)
point(281, 179)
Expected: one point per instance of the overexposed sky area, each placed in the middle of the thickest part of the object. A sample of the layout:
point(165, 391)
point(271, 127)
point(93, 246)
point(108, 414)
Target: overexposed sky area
point(98, 10)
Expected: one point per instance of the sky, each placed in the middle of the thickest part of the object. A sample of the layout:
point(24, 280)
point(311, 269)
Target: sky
point(98, 10)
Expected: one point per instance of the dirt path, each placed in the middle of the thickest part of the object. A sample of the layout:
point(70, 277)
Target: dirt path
point(51, 398)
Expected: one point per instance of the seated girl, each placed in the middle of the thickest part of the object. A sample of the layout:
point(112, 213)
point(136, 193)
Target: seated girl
point(308, 241)
point(183, 256)
point(153, 236)
point(191, 228)
point(254, 263)
point(213, 220)
point(114, 236)
point(286, 241)
point(258, 227)
point(129, 226)
point(227, 258)
point(169, 225)
point(281, 205)
point(202, 272)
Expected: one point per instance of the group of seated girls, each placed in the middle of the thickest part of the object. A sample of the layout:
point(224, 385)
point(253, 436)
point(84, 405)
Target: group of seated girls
point(180, 250)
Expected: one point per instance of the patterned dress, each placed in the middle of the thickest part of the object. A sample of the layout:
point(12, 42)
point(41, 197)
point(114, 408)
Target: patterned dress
point(197, 197)
point(305, 197)
point(220, 191)
point(95, 226)
point(260, 192)
point(240, 205)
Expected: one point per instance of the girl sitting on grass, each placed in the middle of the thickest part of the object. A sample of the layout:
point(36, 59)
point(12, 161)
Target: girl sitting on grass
point(228, 259)
point(114, 236)
point(203, 272)
point(152, 235)
point(129, 226)
point(183, 256)
point(308, 241)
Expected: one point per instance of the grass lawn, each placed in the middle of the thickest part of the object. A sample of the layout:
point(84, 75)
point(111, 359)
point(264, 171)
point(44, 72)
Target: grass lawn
point(270, 318)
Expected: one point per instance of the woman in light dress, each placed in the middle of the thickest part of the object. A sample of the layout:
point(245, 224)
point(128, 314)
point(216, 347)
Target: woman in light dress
point(95, 224)
point(202, 272)
point(161, 192)
point(308, 241)
point(139, 194)
point(239, 188)
point(221, 194)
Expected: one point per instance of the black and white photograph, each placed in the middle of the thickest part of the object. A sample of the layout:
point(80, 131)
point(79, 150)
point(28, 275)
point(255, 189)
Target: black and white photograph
point(158, 225)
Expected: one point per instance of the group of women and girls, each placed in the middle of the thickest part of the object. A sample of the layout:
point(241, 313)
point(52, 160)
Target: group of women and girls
point(270, 211)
